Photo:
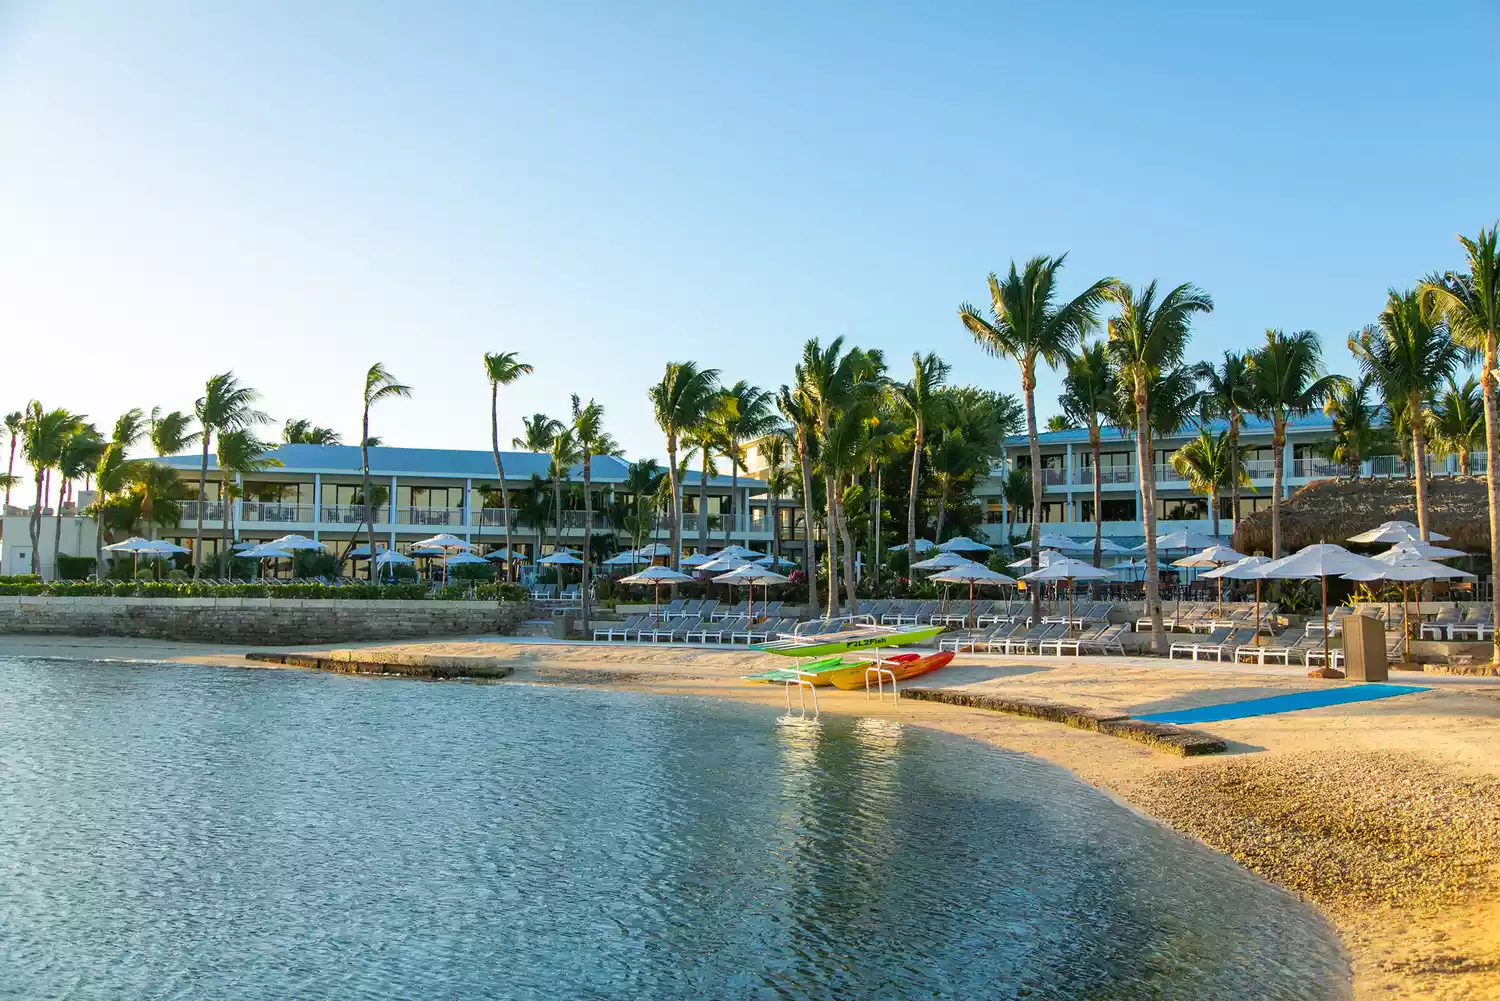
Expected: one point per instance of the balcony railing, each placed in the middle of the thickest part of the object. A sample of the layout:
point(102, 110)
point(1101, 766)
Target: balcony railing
point(346, 514)
point(1166, 474)
point(429, 516)
point(1054, 477)
point(491, 517)
point(1312, 468)
point(277, 512)
point(1107, 475)
point(1260, 469)
point(212, 511)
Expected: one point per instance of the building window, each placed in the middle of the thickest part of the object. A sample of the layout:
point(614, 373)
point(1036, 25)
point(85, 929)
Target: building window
point(1107, 460)
point(1182, 508)
point(1114, 508)
point(429, 497)
point(1054, 511)
point(1248, 505)
point(279, 493)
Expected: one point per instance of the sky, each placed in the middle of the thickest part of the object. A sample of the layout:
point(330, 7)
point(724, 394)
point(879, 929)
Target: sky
point(294, 191)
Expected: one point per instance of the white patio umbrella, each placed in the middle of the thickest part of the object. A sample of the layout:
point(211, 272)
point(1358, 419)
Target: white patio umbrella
point(269, 551)
point(655, 550)
point(1322, 560)
point(561, 558)
point(1044, 558)
point(696, 560)
point(776, 561)
point(922, 545)
point(443, 541)
point(1403, 571)
point(1185, 539)
point(972, 574)
point(942, 561)
point(135, 545)
point(1395, 531)
point(389, 557)
point(720, 564)
point(964, 544)
point(1051, 540)
point(1419, 550)
point(295, 542)
point(1108, 547)
point(628, 559)
point(504, 554)
point(750, 574)
point(1068, 570)
point(465, 560)
point(743, 552)
point(657, 576)
point(1211, 559)
point(1245, 569)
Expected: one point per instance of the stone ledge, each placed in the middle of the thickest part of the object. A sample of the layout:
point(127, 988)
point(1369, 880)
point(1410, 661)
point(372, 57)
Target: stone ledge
point(410, 665)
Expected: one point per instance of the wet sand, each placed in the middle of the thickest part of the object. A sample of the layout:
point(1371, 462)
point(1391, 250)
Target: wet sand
point(1385, 814)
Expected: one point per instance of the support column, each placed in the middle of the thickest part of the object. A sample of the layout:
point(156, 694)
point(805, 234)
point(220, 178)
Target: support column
point(467, 515)
point(1068, 479)
point(390, 508)
point(317, 519)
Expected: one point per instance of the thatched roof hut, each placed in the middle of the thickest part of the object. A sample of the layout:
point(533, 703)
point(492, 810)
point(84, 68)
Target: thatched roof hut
point(1333, 510)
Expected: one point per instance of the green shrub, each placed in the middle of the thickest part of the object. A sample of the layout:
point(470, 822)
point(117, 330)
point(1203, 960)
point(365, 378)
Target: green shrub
point(502, 592)
point(471, 571)
point(20, 578)
point(75, 567)
point(314, 563)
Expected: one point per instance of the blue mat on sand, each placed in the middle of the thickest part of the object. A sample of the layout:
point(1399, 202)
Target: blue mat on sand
point(1315, 699)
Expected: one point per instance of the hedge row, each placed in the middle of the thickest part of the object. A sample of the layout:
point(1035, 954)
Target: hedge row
point(10, 586)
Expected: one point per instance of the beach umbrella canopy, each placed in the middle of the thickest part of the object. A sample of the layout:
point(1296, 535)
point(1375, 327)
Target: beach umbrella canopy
point(776, 561)
point(1051, 540)
point(242, 545)
point(718, 564)
point(749, 573)
point(1395, 531)
point(135, 544)
point(941, 561)
point(656, 577)
point(1415, 570)
point(1106, 546)
point(269, 551)
point(298, 542)
point(1185, 539)
point(161, 547)
point(388, 556)
point(626, 560)
point(972, 574)
point(1045, 557)
point(697, 560)
point(964, 544)
point(465, 559)
point(504, 554)
point(560, 558)
point(1243, 570)
point(1068, 570)
point(1419, 550)
point(922, 546)
point(655, 550)
point(1322, 560)
point(744, 552)
point(1213, 556)
point(444, 541)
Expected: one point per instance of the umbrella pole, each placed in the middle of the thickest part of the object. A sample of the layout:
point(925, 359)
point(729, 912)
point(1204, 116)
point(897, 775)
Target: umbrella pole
point(1257, 609)
point(1070, 607)
point(1405, 628)
point(969, 617)
point(1326, 662)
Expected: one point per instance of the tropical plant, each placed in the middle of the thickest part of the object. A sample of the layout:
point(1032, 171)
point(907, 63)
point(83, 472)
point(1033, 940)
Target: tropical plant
point(1456, 423)
point(1088, 398)
point(534, 509)
point(301, 431)
point(44, 435)
point(80, 454)
point(1226, 395)
point(502, 369)
point(1360, 429)
point(13, 422)
point(112, 473)
point(170, 433)
point(239, 452)
point(921, 402)
point(886, 434)
point(1409, 356)
point(744, 413)
point(563, 453)
point(773, 448)
point(1026, 323)
point(702, 442)
point(802, 429)
point(380, 385)
point(539, 430)
point(1060, 422)
point(680, 402)
point(593, 440)
point(1146, 341)
point(1209, 464)
point(1286, 381)
point(154, 498)
point(643, 477)
point(1470, 301)
point(225, 406)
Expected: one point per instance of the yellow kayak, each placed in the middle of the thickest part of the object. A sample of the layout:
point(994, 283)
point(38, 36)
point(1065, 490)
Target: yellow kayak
point(852, 676)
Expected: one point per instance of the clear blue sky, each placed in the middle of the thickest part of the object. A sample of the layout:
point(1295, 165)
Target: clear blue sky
point(296, 190)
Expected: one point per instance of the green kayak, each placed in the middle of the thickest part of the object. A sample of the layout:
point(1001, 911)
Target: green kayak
point(787, 674)
point(863, 638)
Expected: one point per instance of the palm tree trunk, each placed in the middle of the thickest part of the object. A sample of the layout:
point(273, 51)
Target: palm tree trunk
point(775, 524)
point(1005, 504)
point(811, 553)
point(57, 531)
point(557, 511)
point(364, 468)
point(851, 581)
point(499, 472)
point(99, 536)
point(831, 526)
point(1419, 468)
point(942, 511)
point(35, 525)
point(674, 530)
point(1213, 512)
point(1148, 501)
point(1234, 476)
point(703, 503)
point(202, 486)
point(875, 540)
point(588, 541)
point(734, 494)
point(916, 482)
point(10, 469)
point(1278, 453)
point(1098, 492)
point(1028, 384)
point(225, 531)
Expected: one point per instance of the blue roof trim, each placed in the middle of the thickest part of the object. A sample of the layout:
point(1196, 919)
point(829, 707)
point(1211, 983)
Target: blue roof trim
point(435, 462)
point(1249, 424)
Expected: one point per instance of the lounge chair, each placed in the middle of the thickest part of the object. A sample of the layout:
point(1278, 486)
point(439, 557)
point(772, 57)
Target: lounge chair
point(1438, 627)
point(718, 630)
point(673, 609)
point(546, 592)
point(1230, 643)
point(677, 631)
point(762, 632)
point(1107, 640)
point(1028, 640)
point(1476, 624)
point(612, 630)
point(1314, 654)
point(969, 639)
point(1258, 653)
point(1058, 642)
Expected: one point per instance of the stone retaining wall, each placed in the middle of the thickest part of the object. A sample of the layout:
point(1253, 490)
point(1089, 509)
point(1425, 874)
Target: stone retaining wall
point(283, 621)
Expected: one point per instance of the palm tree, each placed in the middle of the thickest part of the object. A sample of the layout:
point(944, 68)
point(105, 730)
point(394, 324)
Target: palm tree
point(921, 400)
point(703, 442)
point(1286, 381)
point(1226, 395)
point(80, 454)
point(642, 478)
point(539, 430)
point(13, 422)
point(156, 493)
point(502, 369)
point(43, 436)
point(1457, 422)
point(225, 406)
point(1088, 396)
point(885, 437)
point(1026, 323)
point(535, 509)
point(564, 454)
point(773, 449)
point(379, 385)
point(1361, 429)
point(1209, 464)
point(112, 472)
point(301, 431)
point(588, 431)
point(803, 431)
point(743, 414)
point(680, 402)
point(1470, 301)
point(168, 432)
point(239, 452)
point(1409, 356)
point(1148, 338)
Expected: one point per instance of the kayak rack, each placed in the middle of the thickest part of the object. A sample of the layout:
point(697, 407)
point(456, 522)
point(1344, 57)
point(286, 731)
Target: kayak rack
point(803, 686)
point(880, 672)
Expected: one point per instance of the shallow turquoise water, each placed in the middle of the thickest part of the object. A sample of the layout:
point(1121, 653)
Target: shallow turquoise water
point(182, 832)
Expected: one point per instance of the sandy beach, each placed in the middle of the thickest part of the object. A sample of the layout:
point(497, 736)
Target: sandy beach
point(1384, 814)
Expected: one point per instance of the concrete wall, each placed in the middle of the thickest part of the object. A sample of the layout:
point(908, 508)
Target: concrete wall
point(278, 621)
point(15, 542)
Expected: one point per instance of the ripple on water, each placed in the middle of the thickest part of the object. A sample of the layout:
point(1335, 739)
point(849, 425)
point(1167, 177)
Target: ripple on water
point(174, 832)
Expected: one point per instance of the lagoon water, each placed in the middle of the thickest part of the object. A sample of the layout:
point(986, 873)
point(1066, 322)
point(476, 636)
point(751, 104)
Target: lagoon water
point(184, 832)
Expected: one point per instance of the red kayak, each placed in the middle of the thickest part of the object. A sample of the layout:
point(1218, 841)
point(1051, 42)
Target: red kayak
point(923, 665)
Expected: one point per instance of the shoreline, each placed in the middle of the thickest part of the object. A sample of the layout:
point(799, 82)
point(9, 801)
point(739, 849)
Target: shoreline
point(1384, 815)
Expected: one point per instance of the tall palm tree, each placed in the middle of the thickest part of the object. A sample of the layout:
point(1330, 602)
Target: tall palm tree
point(301, 431)
point(535, 509)
point(803, 430)
point(593, 440)
point(1409, 356)
point(1470, 301)
point(703, 442)
point(170, 433)
point(380, 384)
point(1088, 397)
point(1027, 323)
point(13, 422)
point(744, 413)
point(1148, 338)
point(44, 433)
point(642, 478)
point(564, 454)
point(112, 472)
point(502, 369)
point(239, 452)
point(156, 493)
point(885, 436)
point(81, 450)
point(773, 449)
point(1286, 381)
point(538, 432)
point(1226, 395)
point(1360, 429)
point(921, 399)
point(1209, 464)
point(225, 406)
point(1457, 422)
point(680, 402)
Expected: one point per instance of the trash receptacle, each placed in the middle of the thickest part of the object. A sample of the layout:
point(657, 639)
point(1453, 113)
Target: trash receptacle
point(1364, 649)
point(562, 619)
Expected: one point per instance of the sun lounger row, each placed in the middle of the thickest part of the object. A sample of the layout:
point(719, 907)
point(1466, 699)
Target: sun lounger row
point(693, 629)
point(549, 592)
point(1217, 643)
point(1207, 616)
point(1476, 623)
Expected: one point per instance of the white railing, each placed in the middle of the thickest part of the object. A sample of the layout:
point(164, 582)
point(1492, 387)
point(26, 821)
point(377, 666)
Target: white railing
point(345, 514)
point(429, 516)
point(1315, 468)
point(212, 511)
point(1166, 474)
point(1054, 477)
point(276, 512)
point(1107, 475)
point(1260, 469)
point(491, 517)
